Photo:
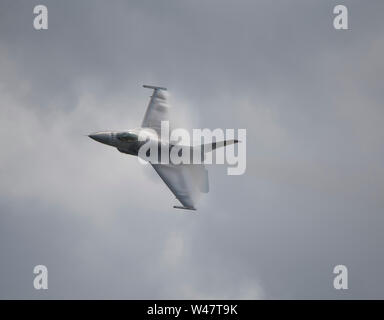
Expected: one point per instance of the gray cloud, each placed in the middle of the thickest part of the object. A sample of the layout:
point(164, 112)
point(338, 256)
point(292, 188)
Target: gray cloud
point(309, 97)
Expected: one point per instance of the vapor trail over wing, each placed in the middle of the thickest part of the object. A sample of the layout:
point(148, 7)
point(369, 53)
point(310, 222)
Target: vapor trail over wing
point(157, 110)
point(186, 182)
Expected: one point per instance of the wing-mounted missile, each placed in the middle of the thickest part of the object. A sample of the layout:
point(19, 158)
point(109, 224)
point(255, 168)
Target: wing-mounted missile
point(154, 87)
point(185, 208)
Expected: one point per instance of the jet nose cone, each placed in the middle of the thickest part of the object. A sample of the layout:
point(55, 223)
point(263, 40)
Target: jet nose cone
point(92, 136)
point(102, 137)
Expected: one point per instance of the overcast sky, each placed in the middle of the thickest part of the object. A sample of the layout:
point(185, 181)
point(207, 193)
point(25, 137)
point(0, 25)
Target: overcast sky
point(310, 97)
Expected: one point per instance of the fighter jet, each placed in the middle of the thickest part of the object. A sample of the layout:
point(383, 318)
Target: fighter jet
point(186, 181)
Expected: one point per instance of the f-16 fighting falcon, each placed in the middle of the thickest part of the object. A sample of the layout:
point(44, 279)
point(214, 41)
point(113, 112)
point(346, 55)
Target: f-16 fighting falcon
point(186, 181)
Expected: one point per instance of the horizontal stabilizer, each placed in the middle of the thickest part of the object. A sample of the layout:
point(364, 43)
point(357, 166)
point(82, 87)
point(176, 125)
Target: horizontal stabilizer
point(154, 87)
point(186, 208)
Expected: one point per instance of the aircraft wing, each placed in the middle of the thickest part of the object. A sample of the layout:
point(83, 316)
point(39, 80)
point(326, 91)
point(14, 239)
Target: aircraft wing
point(157, 110)
point(186, 182)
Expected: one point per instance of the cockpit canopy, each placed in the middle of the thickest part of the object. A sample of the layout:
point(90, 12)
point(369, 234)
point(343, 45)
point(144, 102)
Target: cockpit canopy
point(126, 136)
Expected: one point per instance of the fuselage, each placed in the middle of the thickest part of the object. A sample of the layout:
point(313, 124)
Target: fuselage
point(155, 149)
